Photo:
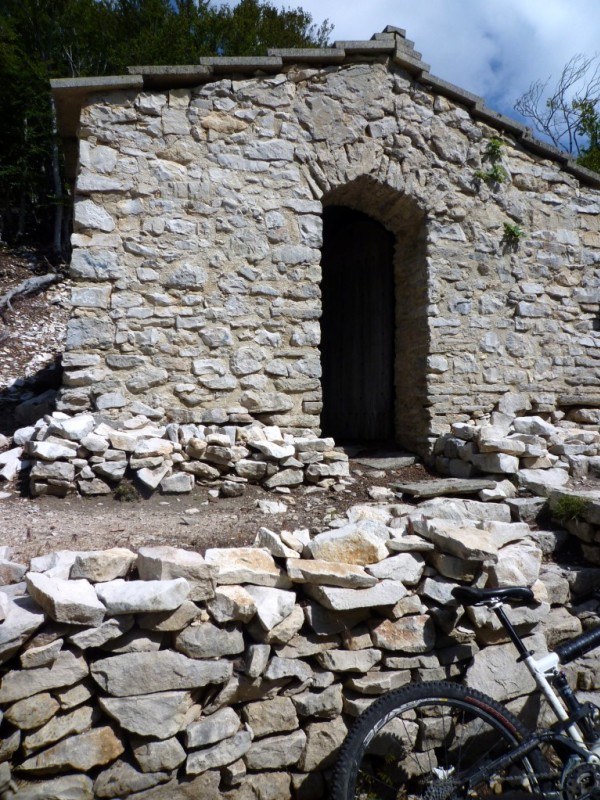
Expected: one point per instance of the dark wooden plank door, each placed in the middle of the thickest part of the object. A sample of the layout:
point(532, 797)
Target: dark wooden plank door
point(357, 327)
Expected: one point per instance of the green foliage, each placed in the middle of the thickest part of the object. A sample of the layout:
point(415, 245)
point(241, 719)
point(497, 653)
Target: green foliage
point(513, 232)
point(126, 492)
point(569, 116)
point(496, 172)
point(568, 507)
point(44, 39)
point(589, 128)
point(494, 149)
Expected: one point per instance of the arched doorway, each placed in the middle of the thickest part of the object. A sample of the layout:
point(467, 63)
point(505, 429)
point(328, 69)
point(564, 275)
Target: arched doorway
point(358, 327)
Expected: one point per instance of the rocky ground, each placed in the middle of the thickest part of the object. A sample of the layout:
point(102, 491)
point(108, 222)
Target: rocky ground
point(32, 331)
point(32, 328)
point(195, 521)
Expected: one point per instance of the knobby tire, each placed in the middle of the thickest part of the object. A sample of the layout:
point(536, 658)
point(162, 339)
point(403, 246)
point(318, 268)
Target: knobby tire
point(421, 742)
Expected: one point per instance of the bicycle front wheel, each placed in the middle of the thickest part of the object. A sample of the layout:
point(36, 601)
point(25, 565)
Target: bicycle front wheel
point(430, 741)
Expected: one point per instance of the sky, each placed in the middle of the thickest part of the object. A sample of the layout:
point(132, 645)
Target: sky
point(494, 48)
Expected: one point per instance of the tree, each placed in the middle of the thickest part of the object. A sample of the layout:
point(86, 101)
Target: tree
point(569, 115)
point(44, 39)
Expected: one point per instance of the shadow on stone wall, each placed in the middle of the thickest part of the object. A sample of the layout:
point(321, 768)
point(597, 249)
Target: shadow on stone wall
point(28, 399)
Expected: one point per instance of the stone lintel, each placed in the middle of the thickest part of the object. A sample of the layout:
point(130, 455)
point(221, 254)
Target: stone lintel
point(376, 47)
point(391, 29)
point(501, 121)
point(411, 64)
point(319, 55)
point(172, 77)
point(96, 84)
point(242, 63)
point(544, 148)
point(70, 95)
point(452, 91)
point(585, 176)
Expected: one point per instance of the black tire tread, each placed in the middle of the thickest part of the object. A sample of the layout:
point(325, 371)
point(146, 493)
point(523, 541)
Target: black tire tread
point(395, 699)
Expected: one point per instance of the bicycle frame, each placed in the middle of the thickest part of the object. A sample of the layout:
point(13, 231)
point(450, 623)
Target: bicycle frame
point(543, 670)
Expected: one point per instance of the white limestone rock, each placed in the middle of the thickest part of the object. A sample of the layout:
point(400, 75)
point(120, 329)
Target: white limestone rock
point(42, 655)
point(73, 428)
point(73, 601)
point(271, 541)
point(276, 752)
point(385, 593)
point(221, 754)
point(273, 450)
point(59, 727)
point(349, 660)
point(533, 426)
point(496, 463)
point(121, 779)
point(405, 567)
point(67, 787)
point(208, 641)
point(132, 673)
point(272, 605)
point(32, 712)
point(518, 565)
point(103, 565)
point(153, 477)
point(232, 603)
point(65, 671)
point(166, 563)
point(414, 634)
point(461, 541)
point(330, 573)
point(223, 724)
point(96, 637)
point(50, 451)
point(158, 756)
point(159, 715)
point(246, 565)
point(81, 753)
point(55, 565)
point(133, 597)
point(543, 481)
point(363, 542)
point(11, 463)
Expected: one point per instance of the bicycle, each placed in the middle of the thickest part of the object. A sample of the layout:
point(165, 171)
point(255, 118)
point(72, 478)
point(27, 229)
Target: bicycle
point(440, 740)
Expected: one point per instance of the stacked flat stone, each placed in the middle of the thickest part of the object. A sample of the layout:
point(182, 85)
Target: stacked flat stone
point(79, 453)
point(515, 441)
point(198, 234)
point(164, 675)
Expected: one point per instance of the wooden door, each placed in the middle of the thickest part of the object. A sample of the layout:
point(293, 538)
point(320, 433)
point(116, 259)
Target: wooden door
point(357, 327)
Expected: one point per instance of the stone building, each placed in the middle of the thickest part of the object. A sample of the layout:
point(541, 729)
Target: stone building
point(328, 238)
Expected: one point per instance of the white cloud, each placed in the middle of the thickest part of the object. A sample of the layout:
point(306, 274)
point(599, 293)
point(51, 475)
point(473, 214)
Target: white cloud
point(494, 48)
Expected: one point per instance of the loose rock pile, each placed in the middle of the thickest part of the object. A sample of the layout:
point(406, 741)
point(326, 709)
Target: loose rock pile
point(70, 454)
point(512, 441)
point(165, 674)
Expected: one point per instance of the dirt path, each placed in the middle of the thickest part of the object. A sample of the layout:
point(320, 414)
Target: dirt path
point(195, 521)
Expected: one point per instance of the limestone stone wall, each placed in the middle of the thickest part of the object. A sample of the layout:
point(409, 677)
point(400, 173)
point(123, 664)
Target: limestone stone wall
point(164, 675)
point(198, 232)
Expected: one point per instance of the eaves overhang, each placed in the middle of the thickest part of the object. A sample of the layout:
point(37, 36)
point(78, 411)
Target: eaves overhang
point(391, 45)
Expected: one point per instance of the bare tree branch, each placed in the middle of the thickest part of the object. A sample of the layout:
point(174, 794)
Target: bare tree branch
point(557, 115)
point(29, 286)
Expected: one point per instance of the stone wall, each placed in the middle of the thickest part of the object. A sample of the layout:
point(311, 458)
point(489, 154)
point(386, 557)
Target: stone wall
point(198, 234)
point(165, 674)
point(514, 447)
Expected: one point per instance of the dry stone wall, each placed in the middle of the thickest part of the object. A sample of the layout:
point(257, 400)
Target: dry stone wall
point(165, 674)
point(91, 454)
point(198, 232)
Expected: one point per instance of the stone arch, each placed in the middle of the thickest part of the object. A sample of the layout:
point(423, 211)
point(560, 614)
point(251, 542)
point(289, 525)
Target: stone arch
point(395, 225)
